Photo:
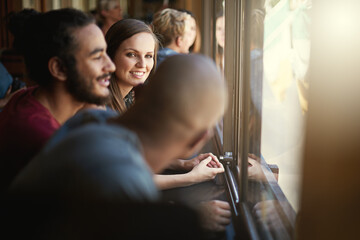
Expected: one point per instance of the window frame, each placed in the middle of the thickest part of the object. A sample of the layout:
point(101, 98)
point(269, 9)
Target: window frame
point(235, 131)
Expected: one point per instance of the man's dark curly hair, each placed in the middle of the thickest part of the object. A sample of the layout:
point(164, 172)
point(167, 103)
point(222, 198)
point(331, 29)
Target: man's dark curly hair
point(41, 36)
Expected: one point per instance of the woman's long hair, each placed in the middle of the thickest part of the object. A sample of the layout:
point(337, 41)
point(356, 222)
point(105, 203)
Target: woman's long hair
point(116, 35)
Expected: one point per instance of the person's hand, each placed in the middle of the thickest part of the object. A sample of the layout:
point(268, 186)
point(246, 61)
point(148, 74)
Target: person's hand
point(270, 213)
point(7, 97)
point(255, 171)
point(207, 169)
point(190, 164)
point(214, 215)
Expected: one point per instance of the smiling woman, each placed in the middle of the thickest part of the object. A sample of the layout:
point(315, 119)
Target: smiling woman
point(133, 47)
point(135, 56)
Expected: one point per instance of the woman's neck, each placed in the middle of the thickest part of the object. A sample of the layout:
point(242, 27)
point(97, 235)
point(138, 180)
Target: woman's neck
point(124, 89)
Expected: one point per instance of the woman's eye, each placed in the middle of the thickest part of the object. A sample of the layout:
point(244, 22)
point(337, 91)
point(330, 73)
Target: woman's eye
point(130, 54)
point(98, 58)
point(149, 56)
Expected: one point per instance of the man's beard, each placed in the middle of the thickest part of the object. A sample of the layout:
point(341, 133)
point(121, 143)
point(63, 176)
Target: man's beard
point(82, 90)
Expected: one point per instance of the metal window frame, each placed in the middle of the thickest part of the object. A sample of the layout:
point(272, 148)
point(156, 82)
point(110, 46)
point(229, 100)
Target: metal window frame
point(236, 119)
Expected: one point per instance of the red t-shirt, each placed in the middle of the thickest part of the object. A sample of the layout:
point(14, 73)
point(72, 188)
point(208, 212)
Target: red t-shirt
point(25, 126)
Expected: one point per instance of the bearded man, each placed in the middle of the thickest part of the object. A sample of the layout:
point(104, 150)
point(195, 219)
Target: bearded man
point(65, 55)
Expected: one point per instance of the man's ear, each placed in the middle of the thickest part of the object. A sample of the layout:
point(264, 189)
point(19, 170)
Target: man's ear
point(178, 41)
point(198, 142)
point(57, 68)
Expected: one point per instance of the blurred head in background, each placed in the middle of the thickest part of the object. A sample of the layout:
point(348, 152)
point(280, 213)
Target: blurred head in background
point(108, 13)
point(173, 28)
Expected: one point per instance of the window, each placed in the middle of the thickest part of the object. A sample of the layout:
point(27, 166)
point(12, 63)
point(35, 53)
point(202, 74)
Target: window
point(266, 63)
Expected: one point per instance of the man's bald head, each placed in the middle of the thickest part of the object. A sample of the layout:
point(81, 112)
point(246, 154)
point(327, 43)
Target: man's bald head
point(187, 93)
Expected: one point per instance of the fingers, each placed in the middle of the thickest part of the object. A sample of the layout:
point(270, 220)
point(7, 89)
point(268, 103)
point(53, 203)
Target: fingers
point(217, 215)
point(215, 163)
point(211, 162)
point(218, 170)
point(224, 220)
point(252, 161)
point(11, 94)
point(206, 161)
point(220, 225)
point(204, 156)
point(222, 204)
point(223, 214)
point(253, 156)
point(9, 90)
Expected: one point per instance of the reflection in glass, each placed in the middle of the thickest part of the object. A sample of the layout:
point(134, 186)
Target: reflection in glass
point(279, 58)
point(219, 25)
point(286, 59)
point(220, 38)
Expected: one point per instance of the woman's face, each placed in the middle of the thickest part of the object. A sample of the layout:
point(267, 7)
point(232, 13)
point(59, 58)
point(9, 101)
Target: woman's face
point(191, 30)
point(188, 39)
point(220, 31)
point(134, 60)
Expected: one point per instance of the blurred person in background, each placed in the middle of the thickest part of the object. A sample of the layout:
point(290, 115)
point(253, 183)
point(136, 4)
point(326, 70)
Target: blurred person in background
point(220, 39)
point(173, 29)
point(107, 13)
point(194, 33)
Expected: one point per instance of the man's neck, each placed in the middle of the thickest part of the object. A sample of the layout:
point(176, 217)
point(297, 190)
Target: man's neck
point(174, 47)
point(157, 151)
point(157, 155)
point(59, 102)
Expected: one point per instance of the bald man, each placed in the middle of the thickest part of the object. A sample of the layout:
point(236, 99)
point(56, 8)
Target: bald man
point(115, 157)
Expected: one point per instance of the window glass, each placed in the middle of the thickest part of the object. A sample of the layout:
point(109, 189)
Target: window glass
point(218, 52)
point(220, 34)
point(279, 59)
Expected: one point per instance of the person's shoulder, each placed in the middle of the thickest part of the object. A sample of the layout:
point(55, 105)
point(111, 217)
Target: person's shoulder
point(79, 120)
point(163, 53)
point(23, 94)
point(95, 140)
point(109, 151)
point(26, 115)
point(90, 116)
point(99, 158)
point(109, 137)
point(35, 115)
point(6, 80)
point(23, 102)
point(166, 52)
